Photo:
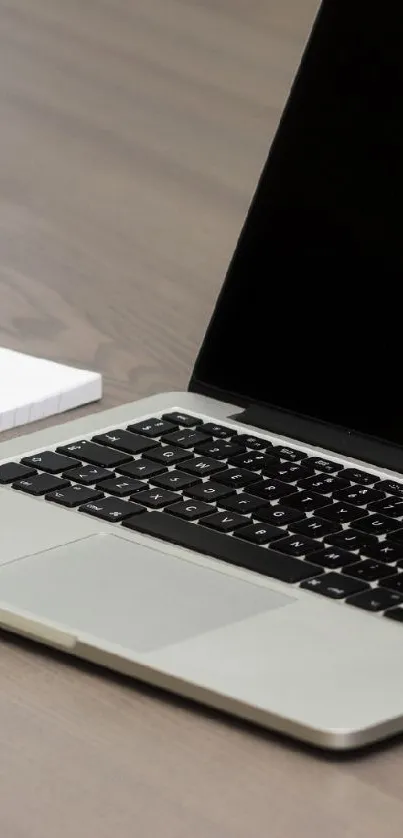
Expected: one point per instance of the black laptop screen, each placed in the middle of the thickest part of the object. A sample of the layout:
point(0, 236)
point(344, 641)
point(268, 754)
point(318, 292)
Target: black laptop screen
point(310, 318)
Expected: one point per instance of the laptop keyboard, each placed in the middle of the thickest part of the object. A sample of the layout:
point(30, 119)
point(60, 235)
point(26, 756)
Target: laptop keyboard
point(272, 509)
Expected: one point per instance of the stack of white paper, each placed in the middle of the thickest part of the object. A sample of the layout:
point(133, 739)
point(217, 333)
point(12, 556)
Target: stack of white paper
point(33, 388)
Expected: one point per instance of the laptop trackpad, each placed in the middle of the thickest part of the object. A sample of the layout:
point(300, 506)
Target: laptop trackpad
point(125, 593)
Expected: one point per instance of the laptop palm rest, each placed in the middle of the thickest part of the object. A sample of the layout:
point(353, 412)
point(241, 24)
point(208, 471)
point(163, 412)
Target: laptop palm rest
point(120, 591)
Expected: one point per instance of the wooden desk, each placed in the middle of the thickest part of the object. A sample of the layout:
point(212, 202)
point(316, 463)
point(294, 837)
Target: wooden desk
point(132, 134)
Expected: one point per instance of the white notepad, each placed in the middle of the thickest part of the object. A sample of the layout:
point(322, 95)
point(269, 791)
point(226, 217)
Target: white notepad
point(33, 388)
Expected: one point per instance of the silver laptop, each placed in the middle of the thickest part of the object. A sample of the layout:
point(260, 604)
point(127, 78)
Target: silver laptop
point(241, 544)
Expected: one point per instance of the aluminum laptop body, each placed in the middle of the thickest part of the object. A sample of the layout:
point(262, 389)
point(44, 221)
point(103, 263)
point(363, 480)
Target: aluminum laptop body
point(241, 544)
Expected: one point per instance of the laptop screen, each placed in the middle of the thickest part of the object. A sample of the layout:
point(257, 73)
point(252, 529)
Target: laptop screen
point(310, 317)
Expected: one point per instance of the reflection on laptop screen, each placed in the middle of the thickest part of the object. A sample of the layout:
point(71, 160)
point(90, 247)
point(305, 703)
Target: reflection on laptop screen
point(310, 317)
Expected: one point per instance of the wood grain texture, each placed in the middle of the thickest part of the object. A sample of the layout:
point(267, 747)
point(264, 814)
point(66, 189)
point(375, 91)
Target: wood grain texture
point(132, 134)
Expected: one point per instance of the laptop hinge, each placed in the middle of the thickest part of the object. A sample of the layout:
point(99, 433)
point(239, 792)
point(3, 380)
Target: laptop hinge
point(322, 435)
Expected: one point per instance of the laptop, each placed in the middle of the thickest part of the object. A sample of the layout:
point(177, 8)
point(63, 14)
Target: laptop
point(241, 543)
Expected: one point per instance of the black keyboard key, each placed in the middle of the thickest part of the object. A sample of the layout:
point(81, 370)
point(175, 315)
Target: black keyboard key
point(10, 472)
point(259, 533)
point(288, 453)
point(113, 510)
point(398, 536)
point(50, 462)
point(219, 431)
point(142, 468)
point(152, 427)
point(122, 487)
point(393, 583)
point(169, 455)
point(88, 475)
point(97, 455)
point(306, 501)
point(242, 503)
point(184, 419)
point(358, 476)
point(323, 484)
point(390, 486)
point(238, 478)
point(287, 472)
point(351, 540)
point(254, 442)
point(156, 498)
point(190, 510)
point(175, 480)
point(74, 496)
point(279, 515)
point(209, 491)
point(359, 495)
point(369, 570)
point(375, 600)
point(320, 464)
point(395, 614)
point(40, 484)
point(334, 557)
point(270, 489)
point(384, 551)
point(297, 545)
point(377, 525)
point(253, 460)
point(315, 527)
point(203, 466)
point(126, 441)
point(335, 586)
point(341, 513)
point(262, 560)
point(221, 449)
point(391, 507)
point(186, 438)
point(224, 521)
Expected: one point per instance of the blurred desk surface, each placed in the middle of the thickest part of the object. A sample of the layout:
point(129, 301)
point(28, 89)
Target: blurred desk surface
point(132, 135)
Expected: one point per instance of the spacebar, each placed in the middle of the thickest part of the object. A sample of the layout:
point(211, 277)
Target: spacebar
point(229, 549)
